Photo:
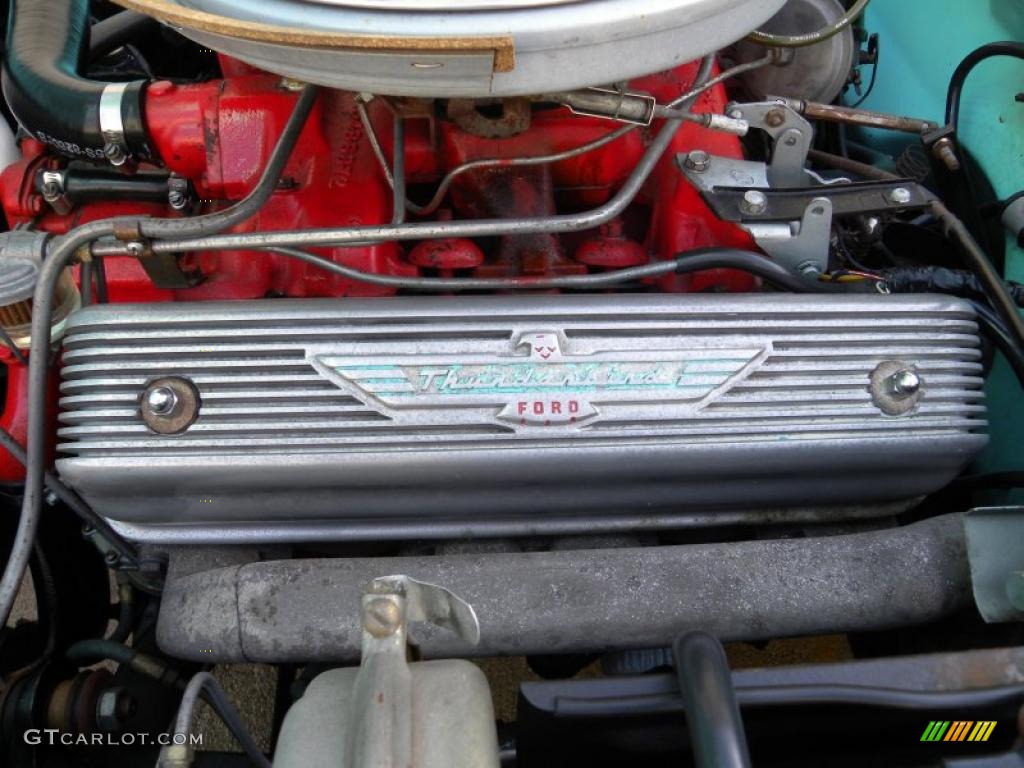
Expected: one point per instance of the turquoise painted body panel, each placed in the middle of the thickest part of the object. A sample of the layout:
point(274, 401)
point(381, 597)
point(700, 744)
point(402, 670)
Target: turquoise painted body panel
point(922, 41)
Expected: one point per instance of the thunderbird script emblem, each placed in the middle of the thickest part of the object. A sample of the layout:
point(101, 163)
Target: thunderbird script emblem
point(540, 382)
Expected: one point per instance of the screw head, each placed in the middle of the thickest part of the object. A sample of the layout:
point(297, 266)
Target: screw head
point(176, 199)
point(135, 249)
point(698, 161)
point(905, 383)
point(754, 202)
point(381, 617)
point(161, 400)
point(900, 196)
point(115, 155)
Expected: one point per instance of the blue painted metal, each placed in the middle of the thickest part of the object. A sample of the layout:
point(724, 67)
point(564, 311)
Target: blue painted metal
point(922, 41)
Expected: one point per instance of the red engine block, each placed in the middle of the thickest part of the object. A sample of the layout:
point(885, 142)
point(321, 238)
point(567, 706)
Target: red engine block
point(220, 134)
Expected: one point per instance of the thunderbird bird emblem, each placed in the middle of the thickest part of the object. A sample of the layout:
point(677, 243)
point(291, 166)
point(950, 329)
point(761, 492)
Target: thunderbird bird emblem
point(540, 381)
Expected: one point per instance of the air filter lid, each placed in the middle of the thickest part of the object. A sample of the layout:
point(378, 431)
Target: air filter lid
point(462, 48)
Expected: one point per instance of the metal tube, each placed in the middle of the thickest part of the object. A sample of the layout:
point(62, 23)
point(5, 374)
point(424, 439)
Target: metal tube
point(445, 229)
point(833, 113)
point(169, 756)
point(695, 261)
point(398, 170)
point(812, 38)
point(713, 716)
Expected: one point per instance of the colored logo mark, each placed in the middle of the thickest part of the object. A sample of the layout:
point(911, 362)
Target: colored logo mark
point(959, 730)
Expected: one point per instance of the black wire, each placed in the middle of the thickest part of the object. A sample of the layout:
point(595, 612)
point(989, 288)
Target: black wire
point(684, 263)
point(997, 332)
point(874, 76)
point(973, 59)
point(996, 289)
point(125, 550)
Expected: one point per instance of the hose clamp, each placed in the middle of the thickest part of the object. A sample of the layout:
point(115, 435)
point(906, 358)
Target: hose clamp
point(115, 144)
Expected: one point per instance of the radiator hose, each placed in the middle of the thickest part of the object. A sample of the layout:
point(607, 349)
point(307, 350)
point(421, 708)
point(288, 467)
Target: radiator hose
point(45, 51)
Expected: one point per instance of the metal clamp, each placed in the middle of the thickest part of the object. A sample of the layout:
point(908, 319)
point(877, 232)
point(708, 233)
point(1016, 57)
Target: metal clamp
point(115, 146)
point(791, 136)
point(55, 192)
point(382, 736)
point(802, 245)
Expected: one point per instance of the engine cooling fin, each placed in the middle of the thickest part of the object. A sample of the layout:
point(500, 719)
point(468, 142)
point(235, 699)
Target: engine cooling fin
point(311, 418)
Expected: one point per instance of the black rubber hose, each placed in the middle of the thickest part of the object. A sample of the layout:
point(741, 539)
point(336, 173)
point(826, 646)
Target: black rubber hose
point(46, 47)
point(113, 32)
point(973, 59)
point(716, 727)
point(86, 652)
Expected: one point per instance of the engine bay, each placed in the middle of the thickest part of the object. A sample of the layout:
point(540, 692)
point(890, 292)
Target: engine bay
point(367, 340)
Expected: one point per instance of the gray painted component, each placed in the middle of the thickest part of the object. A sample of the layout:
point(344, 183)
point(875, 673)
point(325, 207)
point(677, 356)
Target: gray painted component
point(558, 46)
point(320, 414)
point(581, 601)
point(995, 544)
point(525, 524)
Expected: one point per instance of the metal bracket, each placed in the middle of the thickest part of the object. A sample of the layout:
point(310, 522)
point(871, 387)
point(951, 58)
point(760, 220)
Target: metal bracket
point(791, 138)
point(847, 198)
point(794, 225)
point(381, 736)
point(164, 269)
point(801, 246)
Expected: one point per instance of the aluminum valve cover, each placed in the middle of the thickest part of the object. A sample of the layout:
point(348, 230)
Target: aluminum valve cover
point(342, 419)
point(462, 48)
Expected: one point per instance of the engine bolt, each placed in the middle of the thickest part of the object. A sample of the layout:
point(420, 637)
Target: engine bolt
point(176, 199)
point(381, 617)
point(900, 196)
point(945, 150)
point(161, 400)
point(115, 154)
point(905, 383)
point(775, 118)
point(755, 202)
point(698, 161)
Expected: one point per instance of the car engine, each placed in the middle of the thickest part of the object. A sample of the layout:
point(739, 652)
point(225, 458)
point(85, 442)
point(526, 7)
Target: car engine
point(574, 330)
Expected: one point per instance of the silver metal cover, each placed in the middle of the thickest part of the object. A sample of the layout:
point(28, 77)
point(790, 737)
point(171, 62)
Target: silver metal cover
point(556, 45)
point(325, 418)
